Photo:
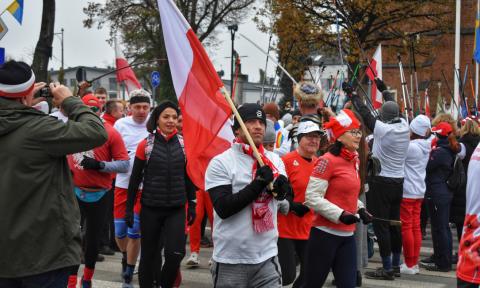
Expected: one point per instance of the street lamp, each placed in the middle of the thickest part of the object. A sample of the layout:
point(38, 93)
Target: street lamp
point(233, 28)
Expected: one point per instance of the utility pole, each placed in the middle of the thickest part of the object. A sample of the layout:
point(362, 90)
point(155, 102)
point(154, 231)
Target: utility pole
point(63, 67)
point(233, 29)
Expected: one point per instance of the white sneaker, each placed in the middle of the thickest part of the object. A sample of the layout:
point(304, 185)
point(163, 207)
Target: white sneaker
point(193, 260)
point(404, 269)
point(417, 268)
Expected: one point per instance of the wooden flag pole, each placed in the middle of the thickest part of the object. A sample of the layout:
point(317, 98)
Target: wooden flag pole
point(245, 131)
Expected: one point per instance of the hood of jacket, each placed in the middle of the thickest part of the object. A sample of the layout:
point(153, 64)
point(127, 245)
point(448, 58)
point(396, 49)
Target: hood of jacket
point(12, 115)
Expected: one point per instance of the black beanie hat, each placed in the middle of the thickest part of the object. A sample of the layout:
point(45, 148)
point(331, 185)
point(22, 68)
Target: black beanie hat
point(249, 111)
point(16, 79)
point(152, 121)
point(389, 111)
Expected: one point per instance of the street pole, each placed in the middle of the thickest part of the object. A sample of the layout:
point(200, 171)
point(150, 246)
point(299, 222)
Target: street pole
point(233, 29)
point(63, 67)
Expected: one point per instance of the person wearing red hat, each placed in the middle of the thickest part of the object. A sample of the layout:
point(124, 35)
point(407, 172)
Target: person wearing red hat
point(332, 193)
point(439, 197)
point(40, 217)
point(92, 178)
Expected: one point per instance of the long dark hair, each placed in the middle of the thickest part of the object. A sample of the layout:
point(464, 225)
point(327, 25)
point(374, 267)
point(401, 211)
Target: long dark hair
point(335, 148)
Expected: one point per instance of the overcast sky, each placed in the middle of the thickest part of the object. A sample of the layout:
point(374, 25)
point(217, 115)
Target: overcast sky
point(88, 47)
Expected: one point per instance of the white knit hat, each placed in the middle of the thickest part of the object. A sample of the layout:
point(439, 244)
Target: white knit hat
point(420, 125)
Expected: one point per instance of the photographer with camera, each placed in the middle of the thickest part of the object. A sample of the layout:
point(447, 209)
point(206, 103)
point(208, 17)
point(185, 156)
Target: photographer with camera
point(40, 217)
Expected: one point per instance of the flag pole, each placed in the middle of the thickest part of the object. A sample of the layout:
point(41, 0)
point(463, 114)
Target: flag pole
point(475, 96)
point(456, 85)
point(245, 130)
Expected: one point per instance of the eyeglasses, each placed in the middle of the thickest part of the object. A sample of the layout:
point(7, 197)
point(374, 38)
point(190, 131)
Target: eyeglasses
point(94, 108)
point(356, 133)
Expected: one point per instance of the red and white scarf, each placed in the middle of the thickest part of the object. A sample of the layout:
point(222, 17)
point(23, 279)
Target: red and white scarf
point(262, 215)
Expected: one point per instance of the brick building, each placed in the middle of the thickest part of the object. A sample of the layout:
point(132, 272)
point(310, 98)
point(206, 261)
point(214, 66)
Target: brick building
point(439, 56)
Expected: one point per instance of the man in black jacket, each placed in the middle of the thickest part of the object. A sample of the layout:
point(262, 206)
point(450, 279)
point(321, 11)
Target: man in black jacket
point(391, 139)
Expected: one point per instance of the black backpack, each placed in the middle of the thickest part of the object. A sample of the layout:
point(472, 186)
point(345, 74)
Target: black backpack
point(458, 177)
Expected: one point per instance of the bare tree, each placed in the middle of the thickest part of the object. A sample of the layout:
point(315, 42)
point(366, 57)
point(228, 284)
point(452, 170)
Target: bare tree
point(43, 50)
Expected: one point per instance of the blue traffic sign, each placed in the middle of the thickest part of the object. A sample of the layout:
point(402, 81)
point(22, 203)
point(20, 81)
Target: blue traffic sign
point(155, 79)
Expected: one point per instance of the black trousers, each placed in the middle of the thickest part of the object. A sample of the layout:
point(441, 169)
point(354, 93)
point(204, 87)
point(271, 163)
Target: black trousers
point(51, 279)
point(288, 251)
point(326, 251)
point(383, 201)
point(94, 214)
point(156, 222)
point(108, 230)
point(465, 284)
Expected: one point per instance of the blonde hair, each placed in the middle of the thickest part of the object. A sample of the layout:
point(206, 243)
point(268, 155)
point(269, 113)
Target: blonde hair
point(470, 127)
point(444, 117)
point(308, 94)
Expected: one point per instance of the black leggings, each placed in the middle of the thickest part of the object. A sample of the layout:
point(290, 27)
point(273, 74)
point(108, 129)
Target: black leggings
point(288, 249)
point(155, 221)
point(383, 201)
point(94, 215)
point(326, 251)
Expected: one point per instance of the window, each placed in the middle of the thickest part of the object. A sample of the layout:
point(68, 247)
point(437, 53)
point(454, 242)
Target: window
point(73, 82)
point(112, 83)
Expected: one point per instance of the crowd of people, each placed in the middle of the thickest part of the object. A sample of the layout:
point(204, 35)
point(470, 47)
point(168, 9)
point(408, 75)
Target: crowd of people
point(97, 175)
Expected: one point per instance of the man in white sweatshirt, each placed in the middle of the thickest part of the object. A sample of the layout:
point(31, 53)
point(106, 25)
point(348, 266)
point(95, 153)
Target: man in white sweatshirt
point(414, 191)
point(133, 130)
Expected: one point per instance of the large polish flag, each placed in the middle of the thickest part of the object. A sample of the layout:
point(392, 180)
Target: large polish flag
point(206, 125)
point(127, 76)
point(376, 65)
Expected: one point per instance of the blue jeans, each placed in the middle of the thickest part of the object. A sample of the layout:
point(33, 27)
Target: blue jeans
point(438, 204)
point(52, 279)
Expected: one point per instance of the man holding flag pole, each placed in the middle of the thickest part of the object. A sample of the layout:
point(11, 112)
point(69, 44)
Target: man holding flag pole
point(245, 232)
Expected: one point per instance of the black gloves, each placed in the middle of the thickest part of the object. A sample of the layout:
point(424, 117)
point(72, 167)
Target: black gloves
point(129, 218)
point(348, 218)
point(91, 164)
point(191, 212)
point(299, 209)
point(380, 85)
point(281, 186)
point(365, 216)
point(264, 174)
point(348, 89)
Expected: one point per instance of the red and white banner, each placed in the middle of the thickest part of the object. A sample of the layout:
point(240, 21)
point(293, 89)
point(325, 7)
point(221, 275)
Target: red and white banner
point(427, 103)
point(206, 125)
point(127, 76)
point(376, 65)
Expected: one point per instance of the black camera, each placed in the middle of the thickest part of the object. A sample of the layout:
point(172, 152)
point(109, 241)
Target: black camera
point(45, 92)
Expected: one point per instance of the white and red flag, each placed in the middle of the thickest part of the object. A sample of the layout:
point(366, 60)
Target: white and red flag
point(127, 76)
point(376, 66)
point(427, 103)
point(206, 125)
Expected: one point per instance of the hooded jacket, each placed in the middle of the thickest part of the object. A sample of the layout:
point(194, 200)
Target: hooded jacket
point(40, 219)
point(415, 168)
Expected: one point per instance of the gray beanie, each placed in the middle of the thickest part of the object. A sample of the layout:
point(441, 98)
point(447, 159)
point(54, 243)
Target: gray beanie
point(269, 132)
point(389, 111)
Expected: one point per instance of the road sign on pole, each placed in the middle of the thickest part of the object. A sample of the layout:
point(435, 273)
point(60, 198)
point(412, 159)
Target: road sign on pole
point(155, 79)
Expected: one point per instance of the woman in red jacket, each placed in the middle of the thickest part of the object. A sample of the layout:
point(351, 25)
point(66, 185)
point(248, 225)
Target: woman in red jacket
point(332, 193)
